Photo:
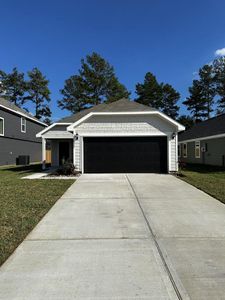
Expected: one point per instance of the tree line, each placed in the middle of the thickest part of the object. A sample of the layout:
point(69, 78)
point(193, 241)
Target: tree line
point(33, 89)
point(96, 82)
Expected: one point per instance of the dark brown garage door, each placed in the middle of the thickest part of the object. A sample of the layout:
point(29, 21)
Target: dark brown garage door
point(125, 155)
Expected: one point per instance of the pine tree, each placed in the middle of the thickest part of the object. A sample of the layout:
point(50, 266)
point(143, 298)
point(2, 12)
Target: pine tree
point(150, 92)
point(196, 102)
point(13, 86)
point(169, 101)
point(39, 94)
point(219, 78)
point(74, 98)
point(2, 85)
point(95, 83)
point(208, 91)
point(187, 121)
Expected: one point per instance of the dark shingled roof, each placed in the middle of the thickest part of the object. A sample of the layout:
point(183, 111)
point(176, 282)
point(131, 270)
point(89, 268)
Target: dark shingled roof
point(15, 108)
point(209, 127)
point(122, 105)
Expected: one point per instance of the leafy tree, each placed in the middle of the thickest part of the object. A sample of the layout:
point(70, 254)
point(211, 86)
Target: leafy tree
point(95, 83)
point(208, 91)
point(169, 100)
point(149, 92)
point(39, 94)
point(219, 78)
point(187, 121)
point(13, 86)
point(196, 102)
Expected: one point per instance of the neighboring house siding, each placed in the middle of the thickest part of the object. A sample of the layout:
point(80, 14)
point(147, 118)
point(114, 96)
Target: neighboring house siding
point(13, 127)
point(11, 149)
point(15, 143)
point(214, 155)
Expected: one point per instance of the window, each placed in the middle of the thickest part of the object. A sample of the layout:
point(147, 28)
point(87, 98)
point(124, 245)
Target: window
point(184, 149)
point(178, 150)
point(1, 126)
point(197, 149)
point(23, 125)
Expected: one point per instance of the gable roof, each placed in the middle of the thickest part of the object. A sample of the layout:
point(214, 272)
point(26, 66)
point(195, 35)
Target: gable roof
point(122, 105)
point(12, 107)
point(213, 126)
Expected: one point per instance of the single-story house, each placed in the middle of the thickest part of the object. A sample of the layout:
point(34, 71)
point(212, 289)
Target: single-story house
point(18, 131)
point(204, 143)
point(123, 136)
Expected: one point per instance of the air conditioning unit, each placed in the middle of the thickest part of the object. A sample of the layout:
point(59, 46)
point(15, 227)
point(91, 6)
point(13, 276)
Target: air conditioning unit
point(23, 160)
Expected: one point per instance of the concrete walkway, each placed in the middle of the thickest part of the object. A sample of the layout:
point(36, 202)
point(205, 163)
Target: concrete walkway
point(141, 236)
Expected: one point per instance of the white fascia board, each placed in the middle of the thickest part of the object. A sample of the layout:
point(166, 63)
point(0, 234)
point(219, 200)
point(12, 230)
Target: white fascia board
point(39, 134)
point(133, 134)
point(216, 136)
point(163, 116)
point(58, 137)
point(23, 115)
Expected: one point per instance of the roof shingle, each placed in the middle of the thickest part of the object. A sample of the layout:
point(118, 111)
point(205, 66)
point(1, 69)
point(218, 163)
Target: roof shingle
point(122, 105)
point(206, 128)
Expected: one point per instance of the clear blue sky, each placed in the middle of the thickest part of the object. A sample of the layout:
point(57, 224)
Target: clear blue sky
point(170, 38)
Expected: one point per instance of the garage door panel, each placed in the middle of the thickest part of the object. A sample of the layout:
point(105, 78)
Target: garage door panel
point(125, 154)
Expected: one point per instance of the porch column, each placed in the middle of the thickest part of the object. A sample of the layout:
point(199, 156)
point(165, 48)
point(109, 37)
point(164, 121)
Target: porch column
point(43, 153)
point(74, 149)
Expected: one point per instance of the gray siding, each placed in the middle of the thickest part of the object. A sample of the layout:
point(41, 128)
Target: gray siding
point(15, 143)
point(213, 155)
point(12, 124)
point(11, 148)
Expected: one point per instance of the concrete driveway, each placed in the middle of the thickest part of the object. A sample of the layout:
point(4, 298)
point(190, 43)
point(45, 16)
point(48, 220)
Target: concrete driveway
point(136, 236)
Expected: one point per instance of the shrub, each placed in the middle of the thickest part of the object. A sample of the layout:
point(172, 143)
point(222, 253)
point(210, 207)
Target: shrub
point(67, 169)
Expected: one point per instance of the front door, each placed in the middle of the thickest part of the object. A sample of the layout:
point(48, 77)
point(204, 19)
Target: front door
point(64, 152)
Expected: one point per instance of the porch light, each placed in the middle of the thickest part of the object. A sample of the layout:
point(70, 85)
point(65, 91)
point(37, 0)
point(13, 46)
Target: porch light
point(173, 135)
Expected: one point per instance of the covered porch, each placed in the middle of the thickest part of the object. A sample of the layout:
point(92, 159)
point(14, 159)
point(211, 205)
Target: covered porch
point(61, 151)
point(61, 143)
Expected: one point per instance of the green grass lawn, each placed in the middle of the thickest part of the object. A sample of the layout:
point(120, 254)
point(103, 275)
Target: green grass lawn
point(23, 203)
point(209, 179)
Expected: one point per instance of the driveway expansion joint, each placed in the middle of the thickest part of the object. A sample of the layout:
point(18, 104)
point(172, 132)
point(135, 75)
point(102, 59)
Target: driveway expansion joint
point(156, 243)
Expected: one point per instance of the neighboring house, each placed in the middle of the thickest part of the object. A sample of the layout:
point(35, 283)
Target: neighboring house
point(18, 131)
point(204, 143)
point(123, 136)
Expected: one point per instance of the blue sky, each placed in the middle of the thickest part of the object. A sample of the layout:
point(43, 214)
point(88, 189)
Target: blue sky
point(172, 39)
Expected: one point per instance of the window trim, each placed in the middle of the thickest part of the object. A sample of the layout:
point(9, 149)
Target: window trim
point(185, 156)
point(3, 127)
point(199, 147)
point(23, 124)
